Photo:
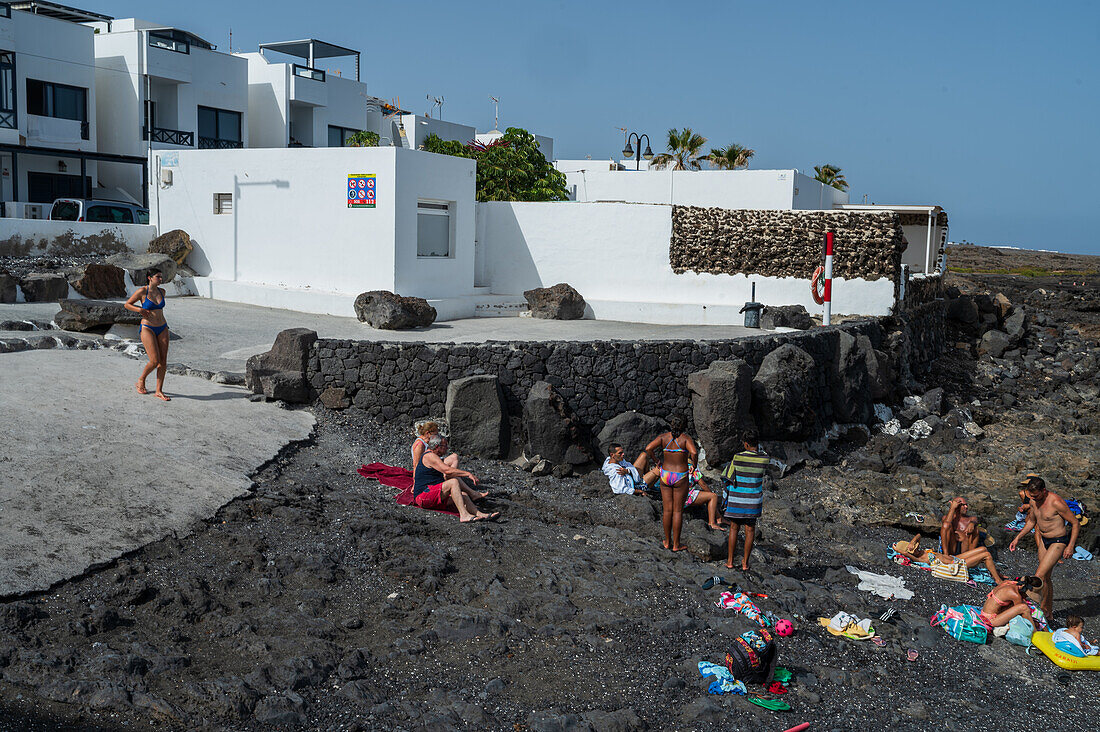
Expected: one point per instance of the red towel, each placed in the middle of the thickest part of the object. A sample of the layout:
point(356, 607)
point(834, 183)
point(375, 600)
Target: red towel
point(396, 477)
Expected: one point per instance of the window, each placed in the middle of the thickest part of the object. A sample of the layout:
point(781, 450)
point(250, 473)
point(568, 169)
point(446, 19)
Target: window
point(150, 114)
point(219, 128)
point(7, 89)
point(110, 214)
point(433, 229)
point(338, 136)
point(47, 99)
point(223, 203)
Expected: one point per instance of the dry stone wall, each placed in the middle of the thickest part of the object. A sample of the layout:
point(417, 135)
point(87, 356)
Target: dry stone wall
point(869, 245)
point(402, 382)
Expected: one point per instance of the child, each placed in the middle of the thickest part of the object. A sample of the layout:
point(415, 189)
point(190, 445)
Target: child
point(1071, 639)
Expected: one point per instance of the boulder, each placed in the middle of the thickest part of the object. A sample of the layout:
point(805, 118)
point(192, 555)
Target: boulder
point(335, 398)
point(850, 379)
point(175, 243)
point(44, 287)
point(84, 315)
point(786, 316)
point(994, 343)
point(721, 398)
point(632, 430)
point(963, 310)
point(478, 417)
point(1002, 306)
point(140, 265)
point(388, 311)
point(281, 372)
point(98, 281)
point(1016, 326)
point(547, 422)
point(782, 393)
point(8, 287)
point(560, 302)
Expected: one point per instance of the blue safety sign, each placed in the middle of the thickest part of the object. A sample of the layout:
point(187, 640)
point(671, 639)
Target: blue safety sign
point(361, 190)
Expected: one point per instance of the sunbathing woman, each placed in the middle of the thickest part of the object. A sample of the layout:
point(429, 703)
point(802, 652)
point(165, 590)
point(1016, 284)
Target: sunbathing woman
point(424, 431)
point(677, 461)
point(971, 558)
point(153, 331)
point(1006, 601)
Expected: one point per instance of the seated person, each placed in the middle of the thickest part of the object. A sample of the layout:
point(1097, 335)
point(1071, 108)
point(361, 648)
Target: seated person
point(633, 479)
point(1071, 639)
point(424, 430)
point(958, 530)
point(439, 486)
point(1006, 601)
point(972, 558)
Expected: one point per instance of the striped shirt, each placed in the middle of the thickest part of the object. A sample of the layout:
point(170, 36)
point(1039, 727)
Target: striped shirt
point(745, 485)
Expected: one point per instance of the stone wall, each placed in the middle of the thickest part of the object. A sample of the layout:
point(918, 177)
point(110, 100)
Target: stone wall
point(599, 380)
point(869, 245)
point(923, 290)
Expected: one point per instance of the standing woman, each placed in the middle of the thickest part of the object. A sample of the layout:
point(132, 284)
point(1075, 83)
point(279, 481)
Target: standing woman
point(679, 457)
point(154, 331)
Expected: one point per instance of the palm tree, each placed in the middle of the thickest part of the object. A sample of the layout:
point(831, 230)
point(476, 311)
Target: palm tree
point(731, 157)
point(830, 175)
point(684, 147)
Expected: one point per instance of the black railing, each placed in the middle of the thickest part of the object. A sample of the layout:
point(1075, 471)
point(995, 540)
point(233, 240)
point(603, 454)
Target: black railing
point(307, 73)
point(214, 143)
point(169, 44)
point(7, 120)
point(84, 131)
point(170, 137)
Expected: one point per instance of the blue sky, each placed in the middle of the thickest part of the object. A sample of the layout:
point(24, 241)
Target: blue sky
point(990, 109)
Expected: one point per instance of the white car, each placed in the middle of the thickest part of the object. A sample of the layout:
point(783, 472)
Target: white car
point(107, 212)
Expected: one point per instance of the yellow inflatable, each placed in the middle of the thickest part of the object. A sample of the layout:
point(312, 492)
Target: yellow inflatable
point(1072, 663)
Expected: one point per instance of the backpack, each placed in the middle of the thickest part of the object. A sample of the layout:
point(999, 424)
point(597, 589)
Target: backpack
point(752, 657)
point(961, 623)
point(1019, 631)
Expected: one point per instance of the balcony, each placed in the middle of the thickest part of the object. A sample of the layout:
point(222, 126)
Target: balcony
point(169, 137)
point(157, 40)
point(52, 130)
point(214, 143)
point(306, 72)
point(7, 120)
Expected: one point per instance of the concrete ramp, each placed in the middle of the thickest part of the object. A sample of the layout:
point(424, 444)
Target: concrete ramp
point(90, 469)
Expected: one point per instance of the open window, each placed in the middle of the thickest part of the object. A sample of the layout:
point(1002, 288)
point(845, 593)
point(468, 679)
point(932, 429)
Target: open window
point(434, 236)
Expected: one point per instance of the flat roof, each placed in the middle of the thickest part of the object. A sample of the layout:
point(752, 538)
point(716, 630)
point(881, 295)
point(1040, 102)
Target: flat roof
point(58, 11)
point(901, 208)
point(301, 49)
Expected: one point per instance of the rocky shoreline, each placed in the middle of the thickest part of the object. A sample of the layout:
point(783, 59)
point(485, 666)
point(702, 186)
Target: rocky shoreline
point(318, 602)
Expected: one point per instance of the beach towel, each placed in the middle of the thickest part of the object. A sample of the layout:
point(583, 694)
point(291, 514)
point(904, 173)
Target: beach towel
point(883, 585)
point(977, 574)
point(724, 682)
point(397, 477)
point(740, 602)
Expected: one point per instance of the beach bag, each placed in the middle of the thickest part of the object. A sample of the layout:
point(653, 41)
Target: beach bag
point(752, 657)
point(954, 572)
point(1019, 631)
point(961, 623)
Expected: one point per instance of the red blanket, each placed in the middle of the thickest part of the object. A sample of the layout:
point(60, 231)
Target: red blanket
point(396, 477)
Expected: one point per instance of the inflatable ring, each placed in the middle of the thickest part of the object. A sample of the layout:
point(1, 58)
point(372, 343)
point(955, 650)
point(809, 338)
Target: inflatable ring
point(1043, 642)
point(815, 283)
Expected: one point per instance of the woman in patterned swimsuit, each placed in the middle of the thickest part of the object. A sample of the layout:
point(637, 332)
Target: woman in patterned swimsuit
point(679, 458)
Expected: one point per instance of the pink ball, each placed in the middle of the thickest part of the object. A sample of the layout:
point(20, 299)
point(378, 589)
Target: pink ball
point(784, 628)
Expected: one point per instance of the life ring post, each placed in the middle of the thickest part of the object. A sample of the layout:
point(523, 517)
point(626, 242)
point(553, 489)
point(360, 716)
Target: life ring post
point(827, 316)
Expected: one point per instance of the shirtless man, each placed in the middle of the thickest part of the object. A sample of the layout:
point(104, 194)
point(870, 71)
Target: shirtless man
point(1048, 515)
point(958, 531)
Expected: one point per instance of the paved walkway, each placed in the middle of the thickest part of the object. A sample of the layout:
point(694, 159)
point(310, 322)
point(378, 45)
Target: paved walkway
point(220, 336)
point(90, 470)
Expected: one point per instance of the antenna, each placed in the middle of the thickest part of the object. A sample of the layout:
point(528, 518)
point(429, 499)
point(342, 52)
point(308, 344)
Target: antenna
point(440, 101)
point(428, 114)
point(496, 111)
point(231, 40)
point(435, 101)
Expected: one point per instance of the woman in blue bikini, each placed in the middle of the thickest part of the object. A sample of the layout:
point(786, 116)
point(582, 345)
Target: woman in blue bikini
point(154, 331)
point(679, 457)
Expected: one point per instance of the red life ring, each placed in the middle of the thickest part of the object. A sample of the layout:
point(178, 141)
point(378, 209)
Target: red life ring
point(815, 282)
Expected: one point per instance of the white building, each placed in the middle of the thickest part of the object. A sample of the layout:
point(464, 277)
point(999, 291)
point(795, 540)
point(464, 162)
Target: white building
point(47, 106)
point(163, 88)
point(295, 104)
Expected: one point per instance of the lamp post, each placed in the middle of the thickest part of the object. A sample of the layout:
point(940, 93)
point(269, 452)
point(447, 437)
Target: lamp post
point(628, 151)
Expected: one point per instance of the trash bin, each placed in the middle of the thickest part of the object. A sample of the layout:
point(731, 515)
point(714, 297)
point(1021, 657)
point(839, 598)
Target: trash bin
point(752, 310)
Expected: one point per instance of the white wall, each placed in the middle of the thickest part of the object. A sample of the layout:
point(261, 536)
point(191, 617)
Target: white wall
point(617, 256)
point(418, 129)
point(292, 241)
point(267, 102)
point(134, 236)
point(812, 195)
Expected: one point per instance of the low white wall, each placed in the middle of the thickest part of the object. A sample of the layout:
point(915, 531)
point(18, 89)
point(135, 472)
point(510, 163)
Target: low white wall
point(617, 256)
point(63, 237)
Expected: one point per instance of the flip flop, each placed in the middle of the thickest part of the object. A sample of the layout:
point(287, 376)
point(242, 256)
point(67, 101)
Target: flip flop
point(715, 580)
point(912, 655)
point(878, 641)
point(1082, 554)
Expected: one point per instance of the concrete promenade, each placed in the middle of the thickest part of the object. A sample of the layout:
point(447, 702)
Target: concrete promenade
point(220, 336)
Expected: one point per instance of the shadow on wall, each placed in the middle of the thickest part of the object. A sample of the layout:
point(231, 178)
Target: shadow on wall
point(512, 269)
point(197, 260)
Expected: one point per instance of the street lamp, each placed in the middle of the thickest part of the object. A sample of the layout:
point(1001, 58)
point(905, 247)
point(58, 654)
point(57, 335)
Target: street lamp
point(628, 151)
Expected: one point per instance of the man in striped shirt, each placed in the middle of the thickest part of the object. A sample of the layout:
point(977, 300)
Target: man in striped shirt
point(745, 495)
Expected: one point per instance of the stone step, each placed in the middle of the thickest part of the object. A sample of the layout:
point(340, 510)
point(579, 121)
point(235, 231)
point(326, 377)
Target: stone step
point(499, 306)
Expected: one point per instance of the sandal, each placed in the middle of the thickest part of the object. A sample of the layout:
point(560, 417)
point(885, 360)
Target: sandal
point(715, 580)
point(912, 655)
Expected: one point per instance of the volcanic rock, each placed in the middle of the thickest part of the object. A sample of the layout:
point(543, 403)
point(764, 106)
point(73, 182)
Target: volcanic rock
point(477, 416)
point(786, 316)
point(44, 287)
point(994, 343)
point(387, 311)
point(8, 285)
point(140, 265)
point(175, 243)
point(632, 430)
point(720, 398)
point(782, 393)
point(84, 315)
point(850, 379)
point(99, 281)
point(548, 423)
point(281, 372)
point(560, 302)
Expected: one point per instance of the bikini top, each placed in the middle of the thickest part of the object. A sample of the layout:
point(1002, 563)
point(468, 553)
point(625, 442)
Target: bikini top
point(1000, 602)
point(673, 442)
point(150, 305)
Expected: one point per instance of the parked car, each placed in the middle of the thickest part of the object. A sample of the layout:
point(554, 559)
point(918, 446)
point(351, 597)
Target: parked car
point(107, 212)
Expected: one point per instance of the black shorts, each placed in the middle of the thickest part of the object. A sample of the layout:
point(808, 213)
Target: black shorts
point(1048, 543)
point(742, 521)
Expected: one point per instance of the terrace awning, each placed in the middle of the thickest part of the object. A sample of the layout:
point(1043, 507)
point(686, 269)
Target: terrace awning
point(311, 49)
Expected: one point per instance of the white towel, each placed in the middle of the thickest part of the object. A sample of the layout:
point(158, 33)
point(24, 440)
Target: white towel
point(883, 585)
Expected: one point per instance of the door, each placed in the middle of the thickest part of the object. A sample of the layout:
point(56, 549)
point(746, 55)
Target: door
point(48, 187)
